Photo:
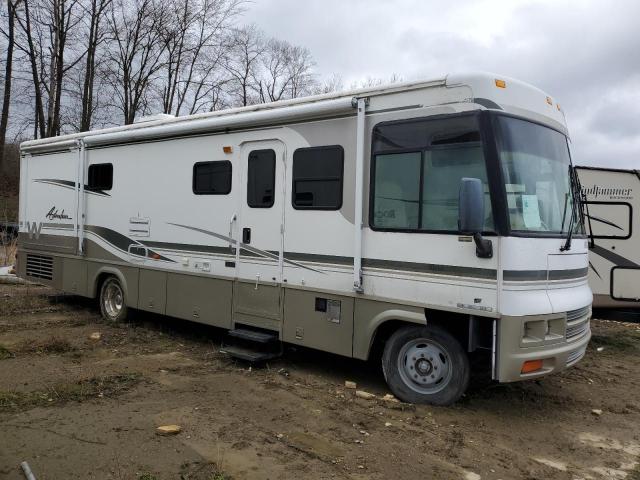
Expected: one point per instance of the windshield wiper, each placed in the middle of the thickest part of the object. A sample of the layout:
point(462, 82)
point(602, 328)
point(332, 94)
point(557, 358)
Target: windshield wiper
point(576, 207)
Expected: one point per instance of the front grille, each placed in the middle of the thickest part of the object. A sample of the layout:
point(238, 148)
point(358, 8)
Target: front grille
point(578, 322)
point(39, 266)
point(576, 355)
point(578, 314)
point(577, 330)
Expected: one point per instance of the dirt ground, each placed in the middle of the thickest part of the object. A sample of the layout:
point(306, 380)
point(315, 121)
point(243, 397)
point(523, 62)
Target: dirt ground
point(76, 407)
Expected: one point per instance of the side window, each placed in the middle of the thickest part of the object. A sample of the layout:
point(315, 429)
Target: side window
point(212, 178)
point(261, 178)
point(416, 172)
point(317, 178)
point(100, 176)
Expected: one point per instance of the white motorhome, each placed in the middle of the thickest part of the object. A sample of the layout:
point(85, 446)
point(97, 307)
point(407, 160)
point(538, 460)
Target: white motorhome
point(612, 206)
point(431, 218)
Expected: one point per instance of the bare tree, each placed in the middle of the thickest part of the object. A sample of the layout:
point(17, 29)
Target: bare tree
point(331, 84)
point(96, 12)
point(136, 54)
point(6, 100)
point(46, 27)
point(195, 32)
point(244, 49)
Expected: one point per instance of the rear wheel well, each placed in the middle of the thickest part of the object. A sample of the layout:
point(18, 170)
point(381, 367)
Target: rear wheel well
point(99, 281)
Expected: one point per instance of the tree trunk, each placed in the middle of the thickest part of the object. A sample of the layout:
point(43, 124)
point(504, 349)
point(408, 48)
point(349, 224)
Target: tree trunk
point(4, 117)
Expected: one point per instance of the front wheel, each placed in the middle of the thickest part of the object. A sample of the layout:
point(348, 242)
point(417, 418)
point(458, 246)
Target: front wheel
point(112, 301)
point(425, 365)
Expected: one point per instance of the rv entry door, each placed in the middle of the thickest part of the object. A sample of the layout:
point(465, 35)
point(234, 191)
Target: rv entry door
point(257, 296)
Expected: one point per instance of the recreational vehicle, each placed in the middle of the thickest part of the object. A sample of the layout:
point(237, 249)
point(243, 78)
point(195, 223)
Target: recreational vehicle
point(428, 219)
point(611, 216)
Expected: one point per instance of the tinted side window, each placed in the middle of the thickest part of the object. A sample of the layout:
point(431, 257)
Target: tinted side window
point(100, 176)
point(317, 178)
point(212, 178)
point(261, 178)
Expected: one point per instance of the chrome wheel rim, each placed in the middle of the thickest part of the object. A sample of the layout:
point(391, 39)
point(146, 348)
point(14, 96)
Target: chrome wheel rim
point(424, 366)
point(113, 299)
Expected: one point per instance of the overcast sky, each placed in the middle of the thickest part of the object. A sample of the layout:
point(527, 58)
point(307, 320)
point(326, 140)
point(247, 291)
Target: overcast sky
point(586, 54)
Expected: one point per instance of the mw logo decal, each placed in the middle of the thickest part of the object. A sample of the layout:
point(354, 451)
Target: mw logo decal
point(33, 229)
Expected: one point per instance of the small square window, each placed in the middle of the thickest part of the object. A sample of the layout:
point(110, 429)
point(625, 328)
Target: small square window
point(212, 178)
point(100, 177)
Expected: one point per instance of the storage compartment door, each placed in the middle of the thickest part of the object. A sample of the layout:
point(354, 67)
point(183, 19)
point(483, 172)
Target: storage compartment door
point(625, 283)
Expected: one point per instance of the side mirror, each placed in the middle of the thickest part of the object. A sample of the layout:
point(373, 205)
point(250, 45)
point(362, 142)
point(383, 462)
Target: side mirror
point(471, 215)
point(470, 206)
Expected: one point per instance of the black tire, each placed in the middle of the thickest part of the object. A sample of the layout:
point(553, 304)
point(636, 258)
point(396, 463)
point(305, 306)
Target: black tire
point(113, 305)
point(437, 372)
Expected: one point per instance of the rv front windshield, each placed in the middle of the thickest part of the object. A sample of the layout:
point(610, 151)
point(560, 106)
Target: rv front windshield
point(536, 168)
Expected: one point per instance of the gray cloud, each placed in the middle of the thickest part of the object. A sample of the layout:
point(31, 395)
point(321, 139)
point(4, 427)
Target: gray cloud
point(584, 53)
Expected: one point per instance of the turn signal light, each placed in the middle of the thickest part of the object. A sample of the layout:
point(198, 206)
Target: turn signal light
point(501, 83)
point(531, 366)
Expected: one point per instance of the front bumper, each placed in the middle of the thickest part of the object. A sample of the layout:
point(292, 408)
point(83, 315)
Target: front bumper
point(526, 338)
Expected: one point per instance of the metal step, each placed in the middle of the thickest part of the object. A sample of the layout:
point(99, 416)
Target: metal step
point(248, 354)
point(254, 335)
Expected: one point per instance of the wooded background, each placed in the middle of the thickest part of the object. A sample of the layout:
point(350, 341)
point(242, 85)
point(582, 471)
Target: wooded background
point(74, 65)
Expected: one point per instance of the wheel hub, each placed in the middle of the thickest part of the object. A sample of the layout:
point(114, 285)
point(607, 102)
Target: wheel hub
point(424, 366)
point(113, 299)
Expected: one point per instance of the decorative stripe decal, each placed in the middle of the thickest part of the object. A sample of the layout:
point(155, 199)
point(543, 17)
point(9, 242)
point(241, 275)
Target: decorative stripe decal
point(122, 242)
point(543, 275)
point(184, 247)
point(606, 222)
point(614, 258)
point(450, 270)
point(70, 185)
point(594, 269)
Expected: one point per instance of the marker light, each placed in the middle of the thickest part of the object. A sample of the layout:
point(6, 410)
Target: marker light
point(531, 366)
point(501, 83)
point(549, 101)
point(227, 149)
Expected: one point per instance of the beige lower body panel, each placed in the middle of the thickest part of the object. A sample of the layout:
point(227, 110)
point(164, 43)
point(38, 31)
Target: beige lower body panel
point(199, 299)
point(556, 354)
point(318, 320)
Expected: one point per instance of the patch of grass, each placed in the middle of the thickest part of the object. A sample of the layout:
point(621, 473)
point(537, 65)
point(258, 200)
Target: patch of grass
point(220, 476)
point(105, 386)
point(5, 353)
point(147, 476)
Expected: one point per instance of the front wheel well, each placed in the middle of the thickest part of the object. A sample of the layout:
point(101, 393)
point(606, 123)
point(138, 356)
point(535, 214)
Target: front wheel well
point(470, 331)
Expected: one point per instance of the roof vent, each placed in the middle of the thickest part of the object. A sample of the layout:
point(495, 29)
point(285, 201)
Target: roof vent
point(154, 118)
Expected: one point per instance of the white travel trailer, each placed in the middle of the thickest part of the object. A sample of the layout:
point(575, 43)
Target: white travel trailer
point(612, 206)
point(429, 218)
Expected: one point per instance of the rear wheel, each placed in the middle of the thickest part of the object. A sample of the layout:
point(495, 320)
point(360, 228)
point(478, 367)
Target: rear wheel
point(425, 365)
point(112, 300)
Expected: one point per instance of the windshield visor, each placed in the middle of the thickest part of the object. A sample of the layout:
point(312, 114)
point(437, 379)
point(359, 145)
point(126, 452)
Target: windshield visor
point(536, 168)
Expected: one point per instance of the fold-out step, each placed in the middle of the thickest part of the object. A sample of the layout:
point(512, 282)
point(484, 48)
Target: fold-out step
point(254, 335)
point(249, 354)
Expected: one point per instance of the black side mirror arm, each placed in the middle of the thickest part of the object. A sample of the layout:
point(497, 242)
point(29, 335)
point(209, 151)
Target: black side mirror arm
point(484, 246)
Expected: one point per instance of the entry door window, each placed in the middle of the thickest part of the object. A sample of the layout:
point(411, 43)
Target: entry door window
point(261, 179)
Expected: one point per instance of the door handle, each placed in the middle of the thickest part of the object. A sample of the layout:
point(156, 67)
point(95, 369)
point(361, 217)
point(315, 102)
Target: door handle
point(233, 219)
point(246, 235)
point(257, 281)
